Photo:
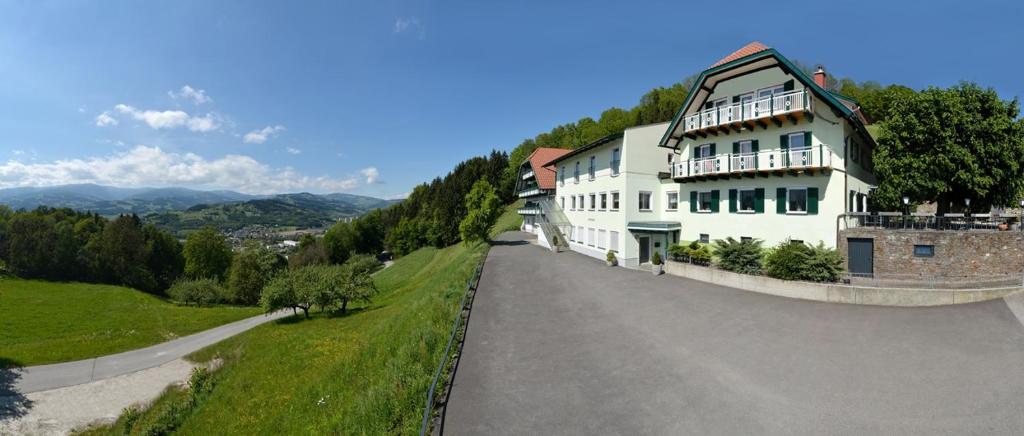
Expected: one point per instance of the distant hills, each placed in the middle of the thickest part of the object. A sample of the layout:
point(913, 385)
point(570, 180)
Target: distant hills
point(181, 209)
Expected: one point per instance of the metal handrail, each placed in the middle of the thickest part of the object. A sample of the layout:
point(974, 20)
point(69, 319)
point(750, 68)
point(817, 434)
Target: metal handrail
point(750, 110)
point(471, 285)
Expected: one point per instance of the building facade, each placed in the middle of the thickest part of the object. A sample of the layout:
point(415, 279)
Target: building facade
point(535, 183)
point(759, 149)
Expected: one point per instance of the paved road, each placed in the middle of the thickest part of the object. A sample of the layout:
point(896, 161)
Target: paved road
point(561, 344)
point(58, 375)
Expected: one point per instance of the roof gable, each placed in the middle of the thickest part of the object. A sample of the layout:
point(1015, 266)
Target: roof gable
point(754, 52)
point(544, 174)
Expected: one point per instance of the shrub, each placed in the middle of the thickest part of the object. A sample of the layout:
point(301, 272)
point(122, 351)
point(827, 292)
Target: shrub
point(678, 253)
point(739, 256)
point(700, 255)
point(824, 264)
point(610, 256)
point(200, 292)
point(797, 261)
point(364, 264)
point(656, 259)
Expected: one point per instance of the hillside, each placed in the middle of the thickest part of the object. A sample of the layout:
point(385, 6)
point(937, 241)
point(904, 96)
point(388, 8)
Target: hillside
point(108, 200)
point(94, 320)
point(286, 210)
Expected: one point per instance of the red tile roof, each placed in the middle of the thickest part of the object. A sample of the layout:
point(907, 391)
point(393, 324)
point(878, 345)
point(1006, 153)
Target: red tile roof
point(747, 50)
point(545, 175)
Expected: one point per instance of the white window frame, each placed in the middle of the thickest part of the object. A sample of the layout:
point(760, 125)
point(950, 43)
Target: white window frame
point(561, 177)
point(640, 203)
point(592, 170)
point(781, 88)
point(789, 197)
point(602, 198)
point(613, 240)
point(561, 202)
point(668, 201)
point(580, 235)
point(699, 154)
point(616, 161)
point(739, 200)
point(573, 202)
point(789, 138)
point(593, 201)
point(700, 201)
point(591, 236)
point(576, 175)
point(602, 236)
point(613, 201)
point(749, 143)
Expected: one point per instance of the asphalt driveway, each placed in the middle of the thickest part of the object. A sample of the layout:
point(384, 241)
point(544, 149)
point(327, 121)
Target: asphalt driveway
point(561, 344)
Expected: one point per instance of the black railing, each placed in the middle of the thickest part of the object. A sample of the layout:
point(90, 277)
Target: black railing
point(448, 358)
point(918, 221)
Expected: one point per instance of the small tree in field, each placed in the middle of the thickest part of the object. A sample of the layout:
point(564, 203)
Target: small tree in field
point(482, 209)
point(207, 254)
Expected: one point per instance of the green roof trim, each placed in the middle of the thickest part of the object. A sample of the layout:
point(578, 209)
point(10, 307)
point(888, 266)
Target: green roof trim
point(785, 63)
point(587, 147)
point(655, 226)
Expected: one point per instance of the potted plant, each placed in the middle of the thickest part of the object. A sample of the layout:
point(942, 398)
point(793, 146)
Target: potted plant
point(656, 267)
point(610, 259)
point(554, 244)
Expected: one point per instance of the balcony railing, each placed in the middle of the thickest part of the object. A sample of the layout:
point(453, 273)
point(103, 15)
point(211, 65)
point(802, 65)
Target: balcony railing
point(765, 107)
point(817, 156)
point(529, 192)
point(924, 221)
point(528, 175)
point(529, 210)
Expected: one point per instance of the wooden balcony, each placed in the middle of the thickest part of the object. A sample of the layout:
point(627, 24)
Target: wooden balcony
point(791, 106)
point(809, 160)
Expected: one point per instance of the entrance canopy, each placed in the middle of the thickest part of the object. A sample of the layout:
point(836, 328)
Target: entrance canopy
point(653, 226)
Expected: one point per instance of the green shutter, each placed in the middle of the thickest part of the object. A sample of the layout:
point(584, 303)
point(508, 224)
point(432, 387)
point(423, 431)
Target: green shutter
point(759, 200)
point(812, 201)
point(712, 148)
point(709, 105)
point(735, 148)
point(753, 146)
point(784, 142)
point(780, 200)
point(693, 201)
point(693, 152)
point(735, 99)
point(714, 201)
point(788, 86)
point(732, 201)
point(807, 139)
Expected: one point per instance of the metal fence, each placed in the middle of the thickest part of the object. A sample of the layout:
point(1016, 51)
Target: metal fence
point(919, 221)
point(448, 358)
point(934, 281)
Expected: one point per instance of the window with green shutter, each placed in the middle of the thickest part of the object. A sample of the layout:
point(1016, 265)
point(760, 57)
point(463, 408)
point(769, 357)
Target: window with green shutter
point(733, 194)
point(758, 200)
point(714, 201)
point(812, 201)
point(780, 200)
point(693, 201)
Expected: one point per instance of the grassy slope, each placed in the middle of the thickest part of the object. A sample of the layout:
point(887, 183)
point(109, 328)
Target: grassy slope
point(364, 373)
point(46, 322)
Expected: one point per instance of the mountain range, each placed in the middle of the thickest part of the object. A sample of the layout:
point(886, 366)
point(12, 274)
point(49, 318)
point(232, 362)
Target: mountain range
point(182, 209)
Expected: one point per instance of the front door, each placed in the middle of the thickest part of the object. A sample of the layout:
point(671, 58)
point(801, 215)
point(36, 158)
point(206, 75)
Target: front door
point(645, 248)
point(861, 256)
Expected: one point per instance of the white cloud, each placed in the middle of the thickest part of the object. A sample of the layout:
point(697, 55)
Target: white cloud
point(198, 96)
point(260, 136)
point(152, 166)
point(17, 152)
point(292, 150)
point(104, 120)
point(168, 119)
point(371, 174)
point(410, 24)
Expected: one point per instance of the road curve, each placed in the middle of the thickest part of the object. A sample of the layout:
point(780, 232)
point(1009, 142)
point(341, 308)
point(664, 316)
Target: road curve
point(58, 375)
point(561, 344)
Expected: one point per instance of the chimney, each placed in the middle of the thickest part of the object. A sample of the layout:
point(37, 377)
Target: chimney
point(819, 77)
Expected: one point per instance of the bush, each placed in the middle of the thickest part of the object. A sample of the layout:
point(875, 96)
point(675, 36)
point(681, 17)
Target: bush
point(677, 252)
point(798, 261)
point(824, 264)
point(694, 252)
point(610, 257)
point(656, 259)
point(200, 292)
point(743, 257)
point(364, 264)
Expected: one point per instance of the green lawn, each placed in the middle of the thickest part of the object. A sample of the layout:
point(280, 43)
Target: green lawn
point(47, 322)
point(509, 219)
point(362, 373)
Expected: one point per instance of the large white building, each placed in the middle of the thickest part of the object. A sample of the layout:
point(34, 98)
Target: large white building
point(758, 150)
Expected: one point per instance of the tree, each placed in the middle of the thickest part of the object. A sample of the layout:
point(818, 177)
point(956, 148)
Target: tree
point(311, 251)
point(207, 254)
point(123, 254)
point(945, 145)
point(483, 208)
point(251, 269)
point(201, 292)
point(166, 261)
point(351, 282)
point(339, 241)
point(408, 235)
point(31, 245)
point(280, 293)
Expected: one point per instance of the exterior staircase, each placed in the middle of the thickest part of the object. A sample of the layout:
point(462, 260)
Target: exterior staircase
point(554, 223)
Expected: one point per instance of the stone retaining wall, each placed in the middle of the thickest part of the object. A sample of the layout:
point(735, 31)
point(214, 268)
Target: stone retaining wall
point(836, 293)
point(981, 255)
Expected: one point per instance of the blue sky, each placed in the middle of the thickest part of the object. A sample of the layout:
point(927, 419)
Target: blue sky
point(374, 97)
